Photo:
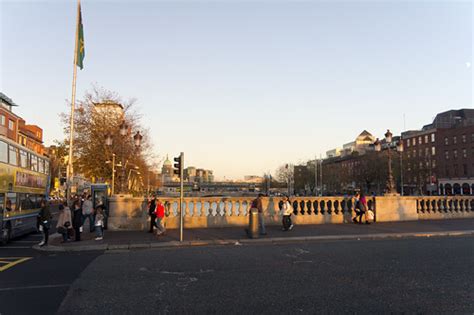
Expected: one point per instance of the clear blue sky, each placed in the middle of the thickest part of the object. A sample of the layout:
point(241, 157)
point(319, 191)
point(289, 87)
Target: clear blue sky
point(244, 86)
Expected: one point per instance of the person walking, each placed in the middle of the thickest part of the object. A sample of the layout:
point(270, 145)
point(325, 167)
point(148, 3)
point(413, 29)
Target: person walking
point(152, 214)
point(358, 209)
point(160, 215)
point(77, 219)
point(64, 222)
point(99, 222)
point(45, 222)
point(88, 213)
point(258, 205)
point(364, 208)
point(287, 211)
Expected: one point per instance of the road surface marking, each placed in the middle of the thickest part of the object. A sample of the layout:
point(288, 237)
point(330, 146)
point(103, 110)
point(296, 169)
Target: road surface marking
point(8, 262)
point(15, 247)
point(36, 287)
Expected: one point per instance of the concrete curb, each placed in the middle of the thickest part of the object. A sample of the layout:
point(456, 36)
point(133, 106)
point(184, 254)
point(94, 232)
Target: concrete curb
point(236, 242)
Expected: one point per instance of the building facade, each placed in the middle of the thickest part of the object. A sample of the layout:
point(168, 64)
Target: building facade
point(440, 157)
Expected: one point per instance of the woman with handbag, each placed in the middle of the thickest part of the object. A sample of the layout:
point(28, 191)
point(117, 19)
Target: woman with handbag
point(45, 222)
point(64, 222)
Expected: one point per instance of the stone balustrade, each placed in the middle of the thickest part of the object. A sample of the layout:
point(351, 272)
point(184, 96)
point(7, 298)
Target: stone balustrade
point(200, 212)
point(442, 207)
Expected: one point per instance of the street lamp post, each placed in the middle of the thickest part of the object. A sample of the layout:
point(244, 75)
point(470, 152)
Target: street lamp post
point(390, 185)
point(123, 131)
point(400, 149)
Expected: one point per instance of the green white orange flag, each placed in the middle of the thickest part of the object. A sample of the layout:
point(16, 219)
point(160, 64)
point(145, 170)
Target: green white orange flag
point(80, 53)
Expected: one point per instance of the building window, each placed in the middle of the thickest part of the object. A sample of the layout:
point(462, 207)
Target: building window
point(23, 159)
point(433, 163)
point(463, 137)
point(426, 138)
point(421, 165)
point(455, 139)
point(3, 152)
point(11, 125)
point(455, 154)
point(420, 140)
point(433, 151)
point(414, 153)
point(408, 141)
point(2, 121)
point(13, 156)
point(446, 155)
point(455, 170)
point(433, 138)
point(464, 169)
point(414, 141)
point(446, 141)
point(34, 163)
point(464, 153)
point(427, 151)
point(408, 155)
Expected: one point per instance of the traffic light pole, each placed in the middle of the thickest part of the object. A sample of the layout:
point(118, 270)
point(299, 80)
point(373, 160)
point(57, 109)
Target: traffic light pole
point(181, 197)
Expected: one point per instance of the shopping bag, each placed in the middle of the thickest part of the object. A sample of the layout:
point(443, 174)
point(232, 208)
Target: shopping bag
point(370, 215)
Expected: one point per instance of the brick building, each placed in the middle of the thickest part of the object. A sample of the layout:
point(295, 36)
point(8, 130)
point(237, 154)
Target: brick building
point(15, 128)
point(8, 120)
point(440, 157)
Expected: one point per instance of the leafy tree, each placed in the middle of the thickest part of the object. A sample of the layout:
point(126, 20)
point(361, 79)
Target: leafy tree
point(93, 123)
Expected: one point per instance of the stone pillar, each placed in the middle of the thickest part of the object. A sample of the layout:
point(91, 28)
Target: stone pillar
point(395, 208)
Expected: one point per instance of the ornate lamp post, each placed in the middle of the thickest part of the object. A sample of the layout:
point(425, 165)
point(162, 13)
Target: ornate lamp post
point(123, 131)
point(400, 149)
point(109, 141)
point(390, 186)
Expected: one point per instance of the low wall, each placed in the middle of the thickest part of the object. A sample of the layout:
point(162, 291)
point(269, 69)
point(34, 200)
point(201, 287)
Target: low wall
point(127, 213)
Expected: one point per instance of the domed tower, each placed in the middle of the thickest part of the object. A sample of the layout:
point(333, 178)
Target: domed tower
point(167, 171)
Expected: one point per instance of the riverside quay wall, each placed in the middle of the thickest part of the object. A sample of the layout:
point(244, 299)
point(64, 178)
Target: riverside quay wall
point(127, 213)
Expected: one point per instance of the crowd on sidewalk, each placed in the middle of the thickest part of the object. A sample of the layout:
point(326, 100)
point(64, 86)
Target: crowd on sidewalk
point(71, 222)
point(157, 213)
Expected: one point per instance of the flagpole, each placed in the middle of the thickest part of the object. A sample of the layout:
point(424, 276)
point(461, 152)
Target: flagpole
point(70, 174)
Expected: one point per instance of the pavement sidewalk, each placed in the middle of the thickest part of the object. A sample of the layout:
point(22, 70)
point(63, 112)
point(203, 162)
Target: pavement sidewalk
point(116, 240)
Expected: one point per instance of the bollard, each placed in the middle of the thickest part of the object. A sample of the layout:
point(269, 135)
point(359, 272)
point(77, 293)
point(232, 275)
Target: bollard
point(253, 223)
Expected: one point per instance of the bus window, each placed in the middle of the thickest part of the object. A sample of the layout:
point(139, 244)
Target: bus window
point(3, 152)
point(23, 159)
point(40, 165)
point(25, 202)
point(11, 202)
point(13, 156)
point(34, 163)
point(2, 200)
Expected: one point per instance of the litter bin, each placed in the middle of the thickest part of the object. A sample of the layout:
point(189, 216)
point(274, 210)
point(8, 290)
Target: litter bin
point(253, 224)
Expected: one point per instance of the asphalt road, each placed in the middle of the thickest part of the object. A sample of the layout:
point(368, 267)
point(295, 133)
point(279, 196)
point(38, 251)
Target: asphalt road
point(401, 276)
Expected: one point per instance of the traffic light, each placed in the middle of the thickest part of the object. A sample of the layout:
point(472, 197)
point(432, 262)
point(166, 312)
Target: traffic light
point(177, 166)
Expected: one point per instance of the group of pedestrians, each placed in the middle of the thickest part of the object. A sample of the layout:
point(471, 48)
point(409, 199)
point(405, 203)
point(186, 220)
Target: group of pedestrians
point(70, 223)
point(156, 211)
point(286, 209)
point(361, 209)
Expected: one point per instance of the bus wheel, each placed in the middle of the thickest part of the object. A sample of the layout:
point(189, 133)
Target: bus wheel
point(6, 234)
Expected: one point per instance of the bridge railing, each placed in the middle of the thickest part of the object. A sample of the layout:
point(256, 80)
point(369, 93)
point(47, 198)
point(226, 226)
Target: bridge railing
point(444, 204)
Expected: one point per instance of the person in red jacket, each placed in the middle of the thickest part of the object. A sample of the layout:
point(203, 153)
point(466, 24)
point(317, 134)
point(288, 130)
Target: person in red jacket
point(160, 215)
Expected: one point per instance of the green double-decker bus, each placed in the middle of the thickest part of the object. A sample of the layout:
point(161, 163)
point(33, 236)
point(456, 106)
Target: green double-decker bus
point(24, 183)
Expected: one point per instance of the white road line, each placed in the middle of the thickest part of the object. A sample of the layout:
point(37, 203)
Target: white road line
point(14, 247)
point(35, 287)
